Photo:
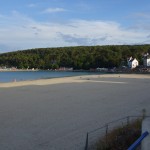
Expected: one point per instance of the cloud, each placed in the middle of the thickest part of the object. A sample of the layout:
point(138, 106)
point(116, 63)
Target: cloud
point(32, 5)
point(77, 40)
point(141, 21)
point(141, 15)
point(84, 6)
point(21, 32)
point(54, 10)
point(148, 36)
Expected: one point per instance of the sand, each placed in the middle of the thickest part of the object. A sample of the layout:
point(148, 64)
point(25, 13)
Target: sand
point(56, 114)
point(77, 79)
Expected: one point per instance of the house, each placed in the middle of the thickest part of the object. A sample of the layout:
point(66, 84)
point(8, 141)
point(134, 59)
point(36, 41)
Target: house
point(146, 60)
point(132, 62)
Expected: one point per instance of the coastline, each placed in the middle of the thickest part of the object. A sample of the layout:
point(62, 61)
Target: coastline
point(73, 79)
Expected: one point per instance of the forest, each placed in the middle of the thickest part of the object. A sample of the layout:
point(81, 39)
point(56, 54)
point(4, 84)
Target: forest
point(77, 57)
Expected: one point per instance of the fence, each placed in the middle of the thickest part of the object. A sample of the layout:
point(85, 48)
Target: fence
point(100, 137)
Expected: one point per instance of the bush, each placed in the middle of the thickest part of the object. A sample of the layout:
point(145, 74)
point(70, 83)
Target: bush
point(120, 138)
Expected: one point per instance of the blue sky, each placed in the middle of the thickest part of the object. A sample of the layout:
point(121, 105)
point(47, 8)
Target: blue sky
point(28, 24)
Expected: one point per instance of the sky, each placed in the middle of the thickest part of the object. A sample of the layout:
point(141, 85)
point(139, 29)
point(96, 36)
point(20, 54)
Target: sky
point(26, 24)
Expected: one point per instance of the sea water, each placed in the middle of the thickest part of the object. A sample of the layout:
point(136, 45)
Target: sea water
point(10, 76)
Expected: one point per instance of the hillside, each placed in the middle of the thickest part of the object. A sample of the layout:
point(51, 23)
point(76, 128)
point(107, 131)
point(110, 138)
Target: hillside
point(80, 57)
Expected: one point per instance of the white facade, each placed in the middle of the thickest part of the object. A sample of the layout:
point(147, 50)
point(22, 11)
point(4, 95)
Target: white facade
point(132, 63)
point(146, 60)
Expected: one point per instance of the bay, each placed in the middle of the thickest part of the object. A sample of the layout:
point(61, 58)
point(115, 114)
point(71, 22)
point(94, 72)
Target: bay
point(11, 76)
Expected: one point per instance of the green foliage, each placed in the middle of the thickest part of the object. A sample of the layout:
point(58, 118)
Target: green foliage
point(120, 138)
point(80, 57)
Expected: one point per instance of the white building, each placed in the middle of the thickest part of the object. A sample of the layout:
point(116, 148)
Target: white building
point(146, 60)
point(132, 62)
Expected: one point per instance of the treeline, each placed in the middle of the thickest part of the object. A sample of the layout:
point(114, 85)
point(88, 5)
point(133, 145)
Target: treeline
point(80, 57)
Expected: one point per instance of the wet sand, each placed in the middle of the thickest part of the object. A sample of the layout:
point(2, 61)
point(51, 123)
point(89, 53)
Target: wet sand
point(76, 79)
point(55, 114)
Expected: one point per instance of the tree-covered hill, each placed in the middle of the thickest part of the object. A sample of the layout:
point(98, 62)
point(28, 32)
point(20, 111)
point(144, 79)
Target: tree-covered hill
point(80, 57)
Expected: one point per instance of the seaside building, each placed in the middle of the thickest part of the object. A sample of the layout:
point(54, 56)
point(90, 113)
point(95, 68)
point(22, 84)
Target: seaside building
point(146, 60)
point(132, 62)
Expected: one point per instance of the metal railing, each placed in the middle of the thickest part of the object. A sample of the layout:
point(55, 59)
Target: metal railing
point(94, 136)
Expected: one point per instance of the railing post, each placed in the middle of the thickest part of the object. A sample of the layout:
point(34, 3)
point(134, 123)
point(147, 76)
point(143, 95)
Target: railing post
point(128, 120)
point(143, 113)
point(87, 140)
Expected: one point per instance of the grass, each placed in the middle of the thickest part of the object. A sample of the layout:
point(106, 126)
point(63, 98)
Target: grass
point(120, 138)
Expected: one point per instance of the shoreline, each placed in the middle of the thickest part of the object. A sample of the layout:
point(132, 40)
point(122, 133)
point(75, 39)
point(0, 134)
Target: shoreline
point(72, 79)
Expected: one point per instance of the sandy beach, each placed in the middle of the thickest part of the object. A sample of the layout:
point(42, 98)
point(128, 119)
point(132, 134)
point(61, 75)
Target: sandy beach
point(76, 79)
point(56, 114)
